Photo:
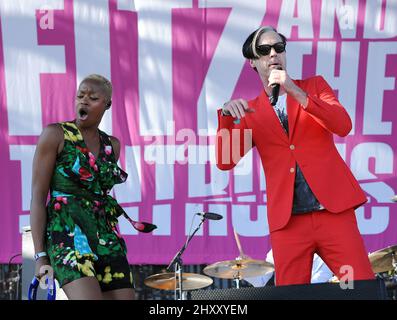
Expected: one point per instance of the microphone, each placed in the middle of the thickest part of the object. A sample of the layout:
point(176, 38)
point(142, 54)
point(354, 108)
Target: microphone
point(275, 92)
point(210, 215)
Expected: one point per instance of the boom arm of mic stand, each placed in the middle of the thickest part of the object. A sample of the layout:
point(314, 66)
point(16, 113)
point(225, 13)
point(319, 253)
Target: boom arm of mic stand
point(180, 252)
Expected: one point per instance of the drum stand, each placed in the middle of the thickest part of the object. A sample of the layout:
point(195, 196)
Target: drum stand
point(391, 279)
point(237, 280)
point(237, 276)
point(178, 265)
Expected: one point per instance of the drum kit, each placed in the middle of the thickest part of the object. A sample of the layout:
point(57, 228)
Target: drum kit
point(384, 260)
point(383, 263)
point(238, 269)
point(168, 281)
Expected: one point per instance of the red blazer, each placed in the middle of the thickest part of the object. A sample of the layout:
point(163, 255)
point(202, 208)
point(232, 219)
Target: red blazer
point(310, 145)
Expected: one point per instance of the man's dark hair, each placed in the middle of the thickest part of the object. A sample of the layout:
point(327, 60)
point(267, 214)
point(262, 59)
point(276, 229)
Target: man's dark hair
point(247, 49)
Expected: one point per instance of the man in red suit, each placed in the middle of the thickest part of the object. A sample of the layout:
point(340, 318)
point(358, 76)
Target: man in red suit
point(311, 193)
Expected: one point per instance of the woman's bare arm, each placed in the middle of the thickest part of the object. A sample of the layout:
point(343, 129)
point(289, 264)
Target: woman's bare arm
point(43, 166)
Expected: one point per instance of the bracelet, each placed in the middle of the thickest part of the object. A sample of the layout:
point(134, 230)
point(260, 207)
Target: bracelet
point(38, 255)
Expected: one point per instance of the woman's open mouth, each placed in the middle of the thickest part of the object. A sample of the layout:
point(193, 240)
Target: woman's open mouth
point(83, 114)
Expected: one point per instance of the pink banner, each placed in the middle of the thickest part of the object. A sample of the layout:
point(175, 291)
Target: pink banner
point(172, 64)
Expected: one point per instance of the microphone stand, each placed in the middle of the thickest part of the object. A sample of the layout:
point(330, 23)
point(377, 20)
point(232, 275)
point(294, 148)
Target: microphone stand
point(177, 261)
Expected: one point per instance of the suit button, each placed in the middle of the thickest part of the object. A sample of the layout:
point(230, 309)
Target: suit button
point(292, 147)
point(292, 170)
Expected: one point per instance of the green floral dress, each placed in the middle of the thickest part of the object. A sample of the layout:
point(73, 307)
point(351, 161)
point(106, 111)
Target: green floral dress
point(82, 238)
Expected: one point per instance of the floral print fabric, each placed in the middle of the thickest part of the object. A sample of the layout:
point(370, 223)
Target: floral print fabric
point(82, 235)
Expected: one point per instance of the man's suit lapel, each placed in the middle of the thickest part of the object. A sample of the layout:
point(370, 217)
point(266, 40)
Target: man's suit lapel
point(270, 113)
point(293, 110)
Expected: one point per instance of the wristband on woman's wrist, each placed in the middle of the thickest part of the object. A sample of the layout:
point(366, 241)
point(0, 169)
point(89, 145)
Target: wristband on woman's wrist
point(38, 255)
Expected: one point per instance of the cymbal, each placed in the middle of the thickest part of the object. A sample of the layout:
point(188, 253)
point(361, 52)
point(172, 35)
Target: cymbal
point(238, 268)
point(166, 281)
point(382, 260)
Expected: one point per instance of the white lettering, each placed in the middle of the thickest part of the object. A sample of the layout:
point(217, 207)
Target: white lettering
point(295, 52)
point(346, 82)
point(92, 34)
point(162, 219)
point(242, 223)
point(47, 19)
point(346, 13)
point(376, 84)
point(130, 191)
point(24, 61)
point(373, 16)
point(155, 62)
point(24, 154)
point(199, 184)
point(303, 21)
point(222, 74)
point(363, 152)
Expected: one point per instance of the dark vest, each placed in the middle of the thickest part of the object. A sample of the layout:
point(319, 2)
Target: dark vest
point(304, 199)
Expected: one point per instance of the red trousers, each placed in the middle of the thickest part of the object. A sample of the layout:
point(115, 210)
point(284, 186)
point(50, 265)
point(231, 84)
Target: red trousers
point(333, 236)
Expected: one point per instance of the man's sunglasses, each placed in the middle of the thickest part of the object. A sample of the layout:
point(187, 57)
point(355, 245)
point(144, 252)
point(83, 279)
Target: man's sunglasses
point(264, 49)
